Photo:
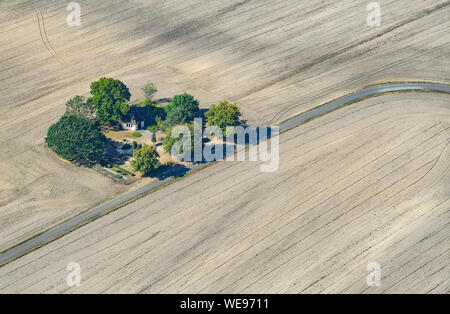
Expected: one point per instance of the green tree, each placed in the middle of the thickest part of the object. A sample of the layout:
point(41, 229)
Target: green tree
point(224, 114)
point(169, 141)
point(76, 139)
point(110, 97)
point(77, 106)
point(149, 91)
point(182, 109)
point(156, 115)
point(155, 112)
point(145, 159)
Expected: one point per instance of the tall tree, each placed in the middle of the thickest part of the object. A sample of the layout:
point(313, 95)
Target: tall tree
point(76, 139)
point(149, 91)
point(224, 114)
point(110, 97)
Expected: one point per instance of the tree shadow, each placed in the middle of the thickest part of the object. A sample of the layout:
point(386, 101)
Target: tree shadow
point(252, 140)
point(201, 114)
point(162, 101)
point(237, 143)
point(114, 155)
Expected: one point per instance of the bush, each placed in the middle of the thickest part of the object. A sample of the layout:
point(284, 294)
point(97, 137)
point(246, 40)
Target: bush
point(154, 137)
point(137, 134)
point(169, 141)
point(109, 96)
point(77, 139)
point(145, 159)
point(224, 114)
point(182, 109)
point(134, 144)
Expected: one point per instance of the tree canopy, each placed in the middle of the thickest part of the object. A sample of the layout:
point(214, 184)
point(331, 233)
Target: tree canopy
point(224, 114)
point(145, 159)
point(76, 139)
point(110, 97)
point(182, 109)
point(77, 106)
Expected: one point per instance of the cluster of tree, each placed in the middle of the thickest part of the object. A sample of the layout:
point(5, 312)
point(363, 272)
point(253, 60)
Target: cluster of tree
point(185, 109)
point(77, 136)
point(108, 104)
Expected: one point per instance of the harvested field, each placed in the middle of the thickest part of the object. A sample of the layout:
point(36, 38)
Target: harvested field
point(275, 58)
point(366, 183)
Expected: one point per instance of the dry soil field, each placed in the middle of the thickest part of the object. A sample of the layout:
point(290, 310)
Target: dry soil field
point(275, 58)
point(367, 183)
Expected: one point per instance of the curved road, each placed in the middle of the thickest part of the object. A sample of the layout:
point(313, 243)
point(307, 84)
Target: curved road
point(360, 95)
point(99, 211)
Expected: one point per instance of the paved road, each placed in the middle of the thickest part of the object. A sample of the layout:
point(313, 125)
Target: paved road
point(92, 214)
